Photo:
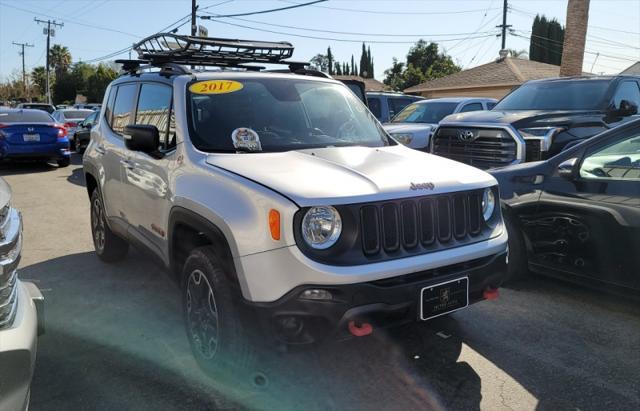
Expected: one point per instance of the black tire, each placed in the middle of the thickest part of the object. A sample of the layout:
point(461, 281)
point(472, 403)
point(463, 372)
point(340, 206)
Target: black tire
point(109, 247)
point(64, 162)
point(517, 269)
point(72, 144)
point(213, 311)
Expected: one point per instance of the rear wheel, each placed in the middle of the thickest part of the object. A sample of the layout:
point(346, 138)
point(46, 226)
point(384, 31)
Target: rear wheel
point(218, 333)
point(64, 162)
point(108, 245)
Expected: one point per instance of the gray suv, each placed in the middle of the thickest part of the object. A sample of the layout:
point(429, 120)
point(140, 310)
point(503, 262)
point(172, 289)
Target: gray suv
point(279, 203)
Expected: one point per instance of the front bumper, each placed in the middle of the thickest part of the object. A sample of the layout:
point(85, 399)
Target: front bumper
point(18, 345)
point(382, 303)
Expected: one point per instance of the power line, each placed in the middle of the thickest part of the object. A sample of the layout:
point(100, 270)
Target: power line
point(586, 51)
point(295, 6)
point(332, 38)
point(397, 12)
point(352, 33)
point(66, 20)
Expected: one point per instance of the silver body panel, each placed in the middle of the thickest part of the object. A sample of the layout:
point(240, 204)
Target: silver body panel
point(236, 191)
point(19, 325)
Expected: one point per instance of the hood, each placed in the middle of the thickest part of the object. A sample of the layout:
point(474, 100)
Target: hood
point(408, 127)
point(528, 118)
point(346, 175)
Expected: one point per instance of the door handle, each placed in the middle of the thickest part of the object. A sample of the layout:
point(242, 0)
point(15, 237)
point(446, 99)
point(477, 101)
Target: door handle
point(100, 149)
point(127, 164)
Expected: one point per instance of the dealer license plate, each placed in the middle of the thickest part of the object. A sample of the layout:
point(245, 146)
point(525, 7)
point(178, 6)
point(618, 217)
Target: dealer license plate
point(444, 298)
point(31, 137)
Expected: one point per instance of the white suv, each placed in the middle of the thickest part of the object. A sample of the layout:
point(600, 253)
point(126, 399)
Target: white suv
point(279, 197)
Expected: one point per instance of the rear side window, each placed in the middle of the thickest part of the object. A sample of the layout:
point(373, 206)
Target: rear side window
point(491, 105)
point(374, 106)
point(471, 107)
point(36, 116)
point(123, 107)
point(108, 110)
point(154, 108)
point(627, 90)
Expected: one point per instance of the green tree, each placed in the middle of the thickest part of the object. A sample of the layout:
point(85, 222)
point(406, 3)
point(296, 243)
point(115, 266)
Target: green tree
point(547, 37)
point(98, 82)
point(393, 76)
point(338, 68)
point(354, 69)
point(59, 59)
point(319, 62)
point(413, 76)
point(39, 79)
point(330, 61)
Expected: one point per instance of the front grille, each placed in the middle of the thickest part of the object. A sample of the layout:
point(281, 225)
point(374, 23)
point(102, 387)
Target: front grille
point(421, 224)
point(491, 147)
point(10, 247)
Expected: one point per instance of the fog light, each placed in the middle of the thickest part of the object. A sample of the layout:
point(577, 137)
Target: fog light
point(290, 326)
point(316, 294)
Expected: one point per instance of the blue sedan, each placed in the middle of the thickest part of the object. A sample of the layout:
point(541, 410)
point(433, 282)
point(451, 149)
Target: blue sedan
point(33, 134)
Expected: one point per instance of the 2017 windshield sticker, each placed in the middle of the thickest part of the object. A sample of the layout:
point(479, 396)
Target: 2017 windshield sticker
point(246, 138)
point(215, 87)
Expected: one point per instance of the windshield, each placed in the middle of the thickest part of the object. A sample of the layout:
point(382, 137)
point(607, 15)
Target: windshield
point(278, 114)
point(425, 112)
point(74, 114)
point(30, 116)
point(556, 95)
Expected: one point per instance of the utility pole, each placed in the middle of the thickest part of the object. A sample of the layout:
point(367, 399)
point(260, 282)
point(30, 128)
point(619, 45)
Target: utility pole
point(194, 27)
point(49, 33)
point(24, 72)
point(504, 24)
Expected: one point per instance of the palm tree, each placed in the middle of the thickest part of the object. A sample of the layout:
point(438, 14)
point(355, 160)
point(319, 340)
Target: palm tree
point(59, 59)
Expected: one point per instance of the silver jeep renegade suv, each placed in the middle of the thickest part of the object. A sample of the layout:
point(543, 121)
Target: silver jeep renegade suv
point(279, 202)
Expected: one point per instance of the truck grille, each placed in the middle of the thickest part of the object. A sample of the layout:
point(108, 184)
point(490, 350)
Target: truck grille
point(10, 247)
point(484, 148)
point(421, 224)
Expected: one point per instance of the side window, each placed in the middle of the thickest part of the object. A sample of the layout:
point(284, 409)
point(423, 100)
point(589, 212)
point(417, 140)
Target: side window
point(154, 108)
point(396, 105)
point(91, 120)
point(108, 111)
point(490, 105)
point(374, 106)
point(627, 90)
point(618, 161)
point(123, 107)
point(471, 107)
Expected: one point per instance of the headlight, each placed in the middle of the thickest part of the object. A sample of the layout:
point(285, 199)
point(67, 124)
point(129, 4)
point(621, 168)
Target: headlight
point(488, 204)
point(403, 138)
point(544, 133)
point(321, 227)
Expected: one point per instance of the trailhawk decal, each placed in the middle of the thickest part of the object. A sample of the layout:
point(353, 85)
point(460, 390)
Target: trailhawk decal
point(215, 87)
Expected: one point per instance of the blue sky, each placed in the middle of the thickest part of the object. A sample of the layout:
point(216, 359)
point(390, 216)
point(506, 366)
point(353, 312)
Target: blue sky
point(95, 28)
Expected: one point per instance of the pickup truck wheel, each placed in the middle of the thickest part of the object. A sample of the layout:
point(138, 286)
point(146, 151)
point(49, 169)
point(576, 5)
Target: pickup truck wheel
point(217, 332)
point(517, 269)
point(109, 247)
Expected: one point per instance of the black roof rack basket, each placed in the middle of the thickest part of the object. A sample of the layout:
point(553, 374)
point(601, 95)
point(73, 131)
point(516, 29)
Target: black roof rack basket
point(163, 48)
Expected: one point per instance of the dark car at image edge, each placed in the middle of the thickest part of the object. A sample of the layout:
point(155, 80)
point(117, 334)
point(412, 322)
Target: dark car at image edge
point(538, 120)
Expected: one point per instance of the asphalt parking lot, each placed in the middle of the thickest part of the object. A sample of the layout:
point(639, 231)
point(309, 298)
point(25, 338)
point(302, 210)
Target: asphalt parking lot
point(115, 337)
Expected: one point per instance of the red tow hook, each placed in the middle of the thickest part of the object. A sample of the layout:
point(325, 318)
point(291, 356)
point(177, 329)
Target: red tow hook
point(360, 330)
point(491, 294)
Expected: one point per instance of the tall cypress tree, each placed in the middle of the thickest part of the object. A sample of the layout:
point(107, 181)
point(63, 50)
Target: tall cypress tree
point(547, 37)
point(363, 61)
point(330, 60)
point(354, 71)
point(338, 69)
point(370, 63)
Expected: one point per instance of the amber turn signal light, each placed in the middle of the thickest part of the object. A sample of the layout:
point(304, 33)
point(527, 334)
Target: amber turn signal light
point(274, 224)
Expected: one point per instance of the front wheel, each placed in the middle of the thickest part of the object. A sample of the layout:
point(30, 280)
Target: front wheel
point(217, 333)
point(64, 162)
point(109, 247)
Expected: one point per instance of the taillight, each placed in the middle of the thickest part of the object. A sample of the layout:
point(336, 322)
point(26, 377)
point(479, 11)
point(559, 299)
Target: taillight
point(62, 131)
point(70, 124)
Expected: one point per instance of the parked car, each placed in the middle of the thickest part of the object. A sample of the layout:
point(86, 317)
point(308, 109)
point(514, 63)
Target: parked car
point(538, 120)
point(32, 134)
point(87, 106)
point(38, 106)
point(414, 125)
point(384, 105)
point(577, 214)
point(279, 202)
point(70, 118)
point(83, 132)
point(21, 312)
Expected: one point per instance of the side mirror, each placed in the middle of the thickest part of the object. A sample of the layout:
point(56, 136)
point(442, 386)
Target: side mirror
point(565, 169)
point(142, 137)
point(626, 108)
